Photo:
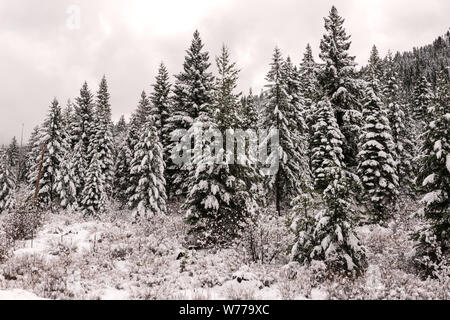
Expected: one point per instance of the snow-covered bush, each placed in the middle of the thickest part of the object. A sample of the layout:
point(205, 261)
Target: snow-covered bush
point(33, 272)
point(5, 245)
point(22, 223)
point(265, 238)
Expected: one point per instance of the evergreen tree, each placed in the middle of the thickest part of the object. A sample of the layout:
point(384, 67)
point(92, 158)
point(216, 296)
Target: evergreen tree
point(377, 168)
point(427, 61)
point(149, 196)
point(93, 195)
point(399, 123)
point(328, 235)
point(220, 194)
point(13, 153)
point(422, 99)
point(53, 138)
point(66, 183)
point(338, 82)
point(137, 122)
point(122, 174)
point(102, 143)
point(308, 77)
point(34, 151)
point(226, 105)
point(193, 96)
point(70, 124)
point(121, 126)
point(7, 183)
point(282, 113)
point(296, 101)
point(433, 246)
point(249, 111)
point(82, 134)
point(68, 116)
point(68, 119)
point(160, 100)
point(296, 116)
point(375, 67)
point(120, 131)
point(325, 147)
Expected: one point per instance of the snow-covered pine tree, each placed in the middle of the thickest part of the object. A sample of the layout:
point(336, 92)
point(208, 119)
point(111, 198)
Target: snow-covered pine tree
point(377, 168)
point(66, 182)
point(328, 235)
point(122, 173)
point(7, 183)
point(93, 195)
point(280, 114)
point(296, 101)
point(160, 99)
point(102, 142)
point(338, 81)
point(137, 122)
point(226, 105)
point(249, 112)
point(13, 153)
point(302, 89)
point(220, 194)
point(325, 146)
point(120, 127)
point(66, 179)
point(147, 167)
point(375, 66)
point(68, 117)
point(34, 151)
point(219, 198)
point(433, 246)
point(308, 77)
point(422, 97)
point(71, 140)
point(399, 123)
point(193, 95)
point(297, 114)
point(82, 132)
point(53, 138)
point(68, 111)
point(120, 131)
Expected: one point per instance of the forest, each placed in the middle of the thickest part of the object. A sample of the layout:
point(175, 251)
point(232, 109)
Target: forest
point(358, 206)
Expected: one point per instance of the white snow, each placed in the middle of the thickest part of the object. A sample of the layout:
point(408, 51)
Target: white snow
point(447, 162)
point(431, 197)
point(317, 294)
point(428, 180)
point(18, 294)
point(114, 260)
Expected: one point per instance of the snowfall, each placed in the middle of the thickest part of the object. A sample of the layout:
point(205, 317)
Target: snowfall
point(112, 258)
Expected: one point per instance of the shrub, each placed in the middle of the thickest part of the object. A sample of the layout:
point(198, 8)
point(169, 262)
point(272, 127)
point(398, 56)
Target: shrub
point(266, 238)
point(22, 224)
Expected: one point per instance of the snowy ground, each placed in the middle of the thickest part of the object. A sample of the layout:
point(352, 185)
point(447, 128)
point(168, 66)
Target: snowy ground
point(76, 258)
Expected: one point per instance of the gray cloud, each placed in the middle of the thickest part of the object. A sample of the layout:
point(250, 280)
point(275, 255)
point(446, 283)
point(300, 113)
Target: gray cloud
point(126, 40)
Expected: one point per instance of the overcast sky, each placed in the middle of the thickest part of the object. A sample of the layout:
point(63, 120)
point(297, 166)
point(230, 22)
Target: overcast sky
point(46, 53)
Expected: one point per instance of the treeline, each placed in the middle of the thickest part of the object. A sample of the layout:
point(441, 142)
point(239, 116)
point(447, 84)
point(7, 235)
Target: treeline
point(352, 145)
